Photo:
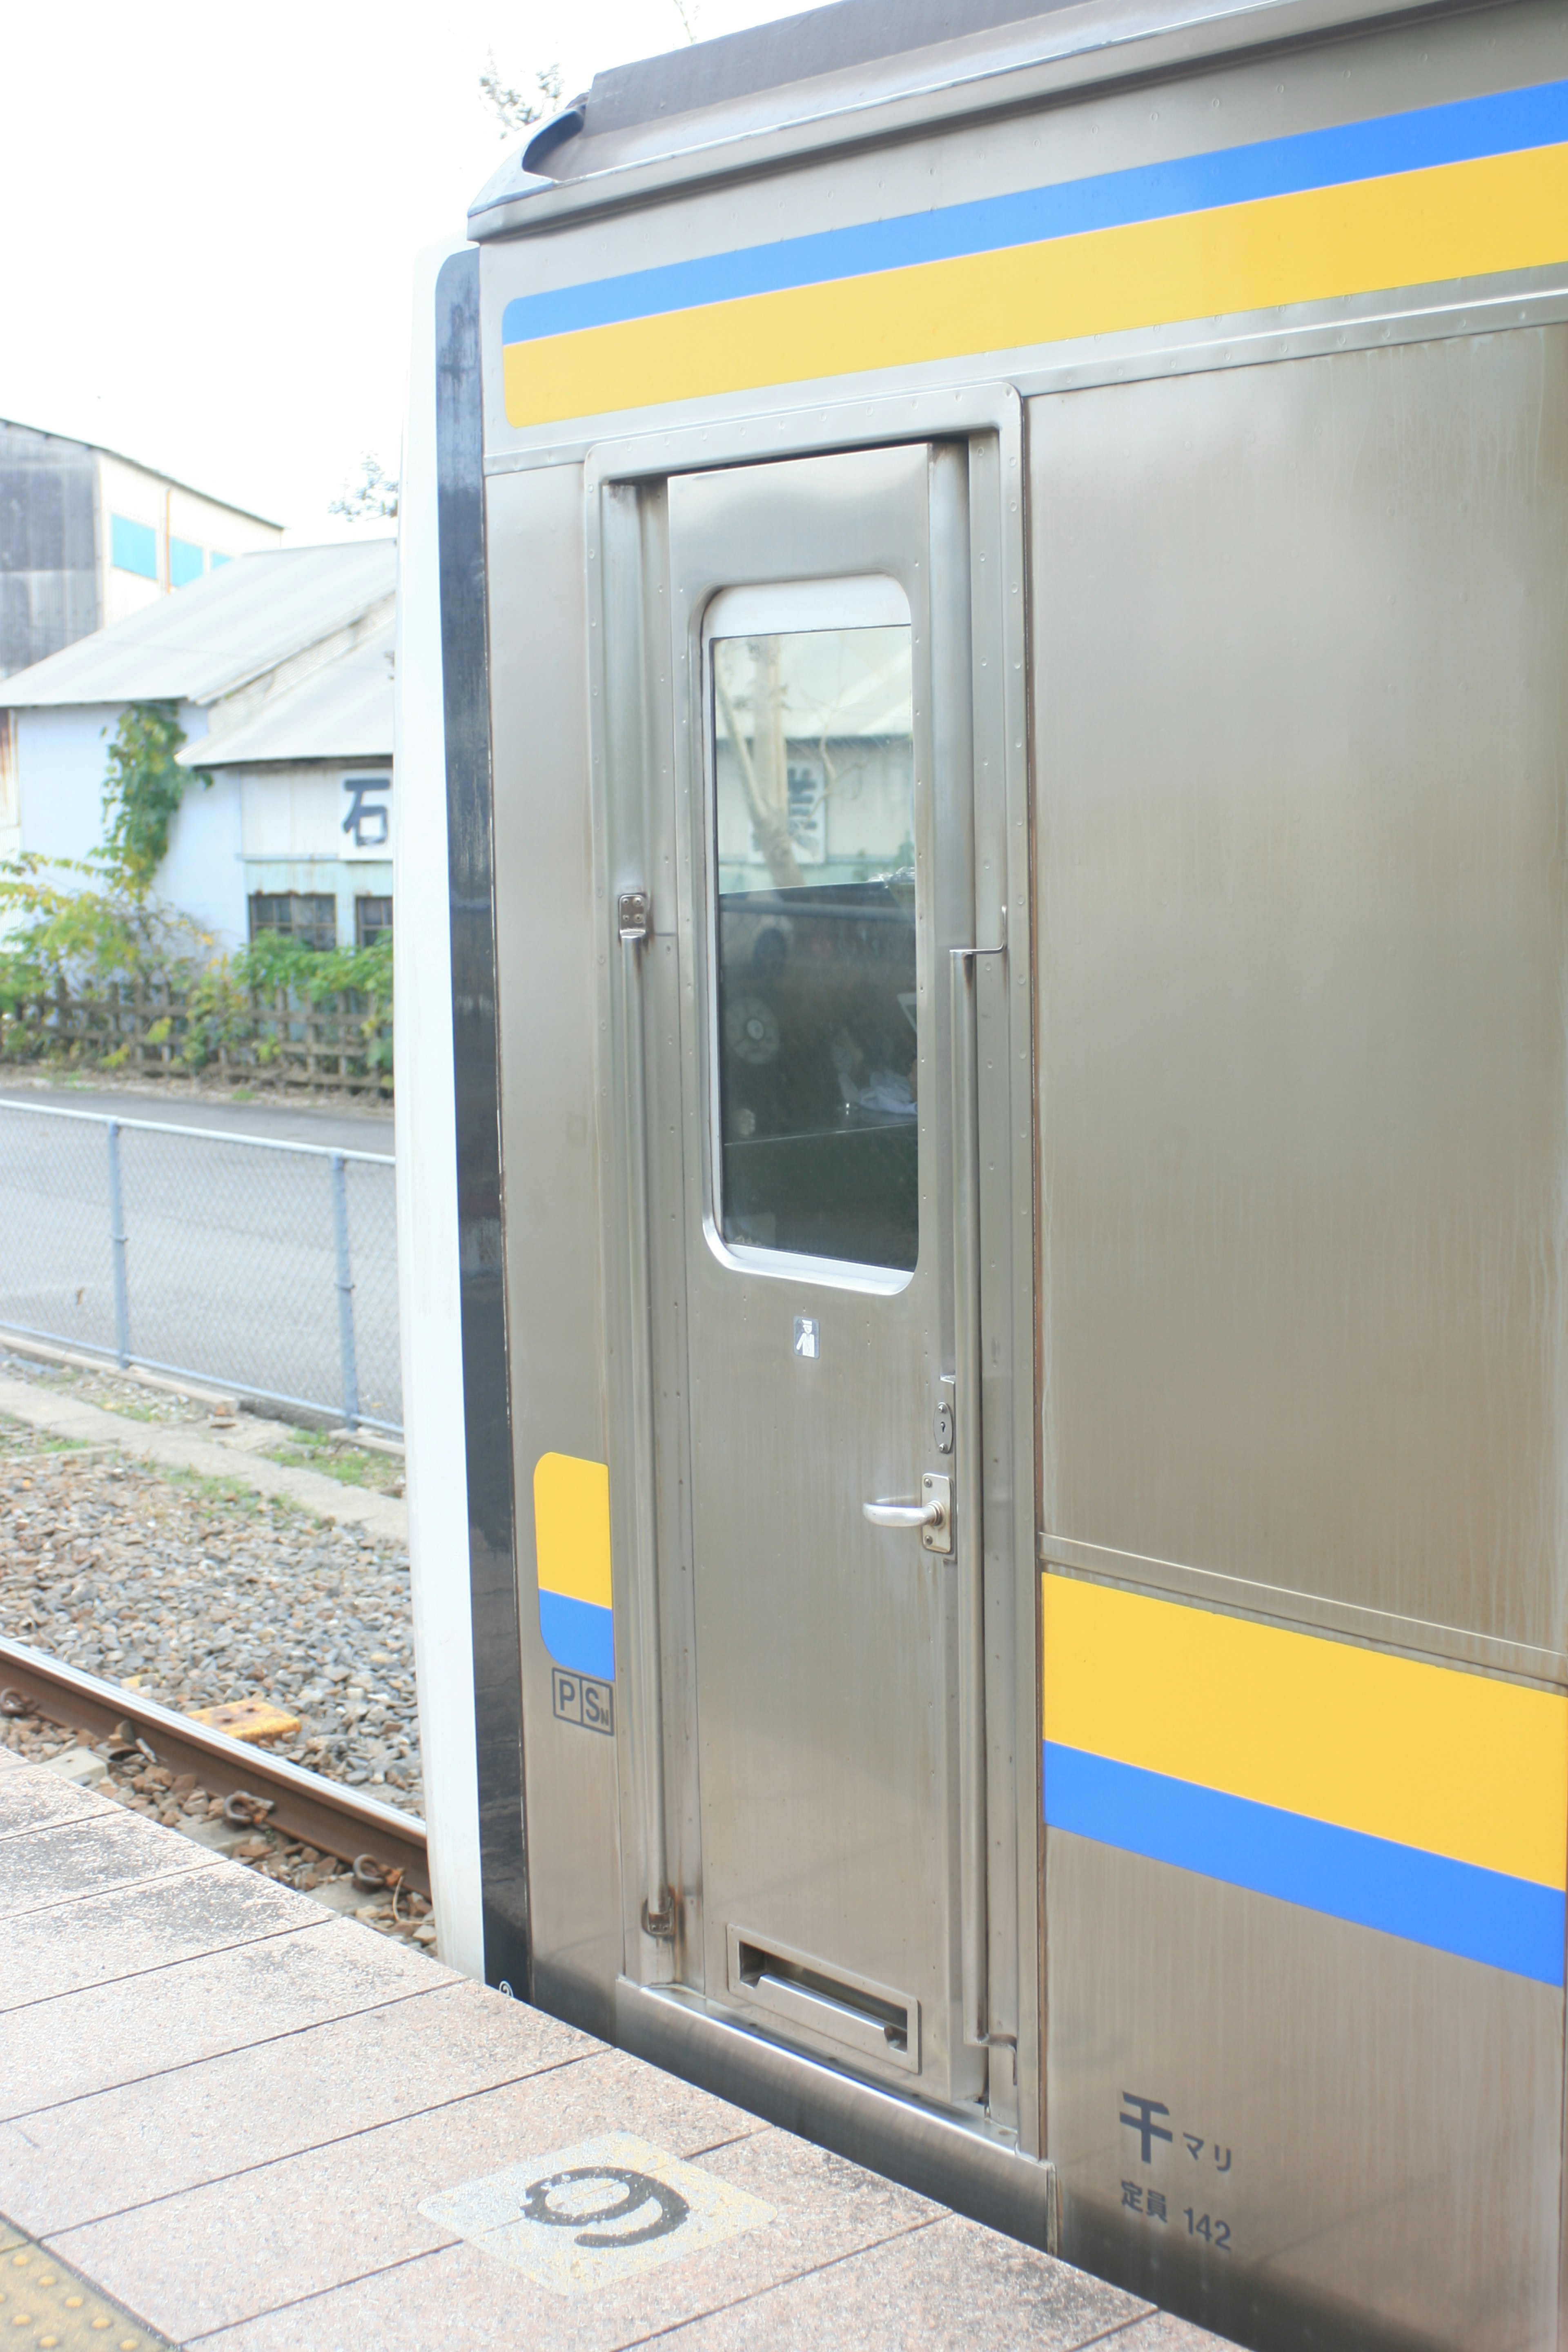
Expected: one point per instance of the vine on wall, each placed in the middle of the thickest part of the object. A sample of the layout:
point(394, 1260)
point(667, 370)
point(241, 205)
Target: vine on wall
point(142, 791)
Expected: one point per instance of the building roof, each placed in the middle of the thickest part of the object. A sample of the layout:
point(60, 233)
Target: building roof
point(342, 711)
point(159, 473)
point(225, 630)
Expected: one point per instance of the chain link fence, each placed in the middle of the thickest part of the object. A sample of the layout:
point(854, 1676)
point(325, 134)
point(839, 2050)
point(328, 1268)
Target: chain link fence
point(268, 1269)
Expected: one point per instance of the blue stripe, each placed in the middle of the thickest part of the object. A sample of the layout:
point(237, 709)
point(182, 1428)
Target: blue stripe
point(1457, 133)
point(579, 1634)
point(1480, 1914)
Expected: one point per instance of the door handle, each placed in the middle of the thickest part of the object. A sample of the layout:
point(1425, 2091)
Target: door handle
point(974, 1828)
point(633, 925)
point(932, 1515)
point(904, 1515)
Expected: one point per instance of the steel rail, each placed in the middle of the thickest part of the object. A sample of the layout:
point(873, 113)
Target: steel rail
point(322, 1813)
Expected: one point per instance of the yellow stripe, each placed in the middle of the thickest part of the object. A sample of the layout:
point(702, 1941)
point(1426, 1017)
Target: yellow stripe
point(571, 1527)
point(1455, 1764)
point(1414, 229)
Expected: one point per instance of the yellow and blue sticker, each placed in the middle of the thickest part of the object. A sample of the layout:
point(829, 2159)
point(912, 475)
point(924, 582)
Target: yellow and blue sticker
point(1461, 190)
point(572, 1549)
point(1418, 1799)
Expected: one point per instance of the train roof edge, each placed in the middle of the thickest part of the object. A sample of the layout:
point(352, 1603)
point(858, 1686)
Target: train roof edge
point(862, 71)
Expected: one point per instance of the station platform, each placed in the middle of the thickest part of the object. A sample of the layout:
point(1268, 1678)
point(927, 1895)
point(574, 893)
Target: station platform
point(230, 2117)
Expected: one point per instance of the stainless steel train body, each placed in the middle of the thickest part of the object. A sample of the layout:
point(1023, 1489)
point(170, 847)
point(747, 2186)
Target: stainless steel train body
point(985, 766)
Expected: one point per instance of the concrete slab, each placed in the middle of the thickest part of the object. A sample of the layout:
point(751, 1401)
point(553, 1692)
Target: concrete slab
point(466, 2299)
point(35, 1798)
point(950, 2287)
point(227, 2252)
point(106, 2036)
point(250, 2125)
point(203, 1906)
point(64, 2166)
point(51, 1864)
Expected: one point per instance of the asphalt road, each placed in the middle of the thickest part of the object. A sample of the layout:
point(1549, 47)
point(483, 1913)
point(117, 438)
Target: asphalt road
point(280, 1122)
point(230, 1255)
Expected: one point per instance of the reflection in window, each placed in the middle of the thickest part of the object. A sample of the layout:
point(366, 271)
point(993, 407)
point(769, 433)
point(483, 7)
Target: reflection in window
point(813, 794)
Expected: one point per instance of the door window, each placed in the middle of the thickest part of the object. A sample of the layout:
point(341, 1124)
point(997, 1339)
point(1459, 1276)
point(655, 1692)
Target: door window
point(811, 728)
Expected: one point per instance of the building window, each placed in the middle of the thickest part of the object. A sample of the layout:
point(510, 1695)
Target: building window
point(185, 563)
point(133, 547)
point(372, 917)
point(309, 916)
point(214, 559)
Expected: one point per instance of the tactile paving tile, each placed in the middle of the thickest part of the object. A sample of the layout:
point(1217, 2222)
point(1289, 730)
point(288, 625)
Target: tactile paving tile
point(46, 2304)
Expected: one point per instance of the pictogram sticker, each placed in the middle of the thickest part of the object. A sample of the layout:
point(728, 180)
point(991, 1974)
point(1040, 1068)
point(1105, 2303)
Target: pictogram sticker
point(597, 2214)
point(578, 1699)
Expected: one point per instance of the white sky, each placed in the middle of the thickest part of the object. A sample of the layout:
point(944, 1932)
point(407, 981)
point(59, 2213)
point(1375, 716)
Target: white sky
point(208, 214)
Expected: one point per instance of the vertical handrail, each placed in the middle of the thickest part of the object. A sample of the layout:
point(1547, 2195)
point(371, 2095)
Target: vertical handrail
point(635, 928)
point(969, 1505)
point(345, 1293)
point(117, 1250)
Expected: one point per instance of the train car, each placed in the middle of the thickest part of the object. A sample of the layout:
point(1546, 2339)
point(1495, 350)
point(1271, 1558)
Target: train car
point(983, 1085)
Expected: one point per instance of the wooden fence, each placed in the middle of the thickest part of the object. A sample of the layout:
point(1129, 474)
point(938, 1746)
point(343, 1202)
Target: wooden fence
point(155, 1031)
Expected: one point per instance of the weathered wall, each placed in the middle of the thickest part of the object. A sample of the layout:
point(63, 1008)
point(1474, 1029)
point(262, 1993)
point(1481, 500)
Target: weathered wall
point(48, 545)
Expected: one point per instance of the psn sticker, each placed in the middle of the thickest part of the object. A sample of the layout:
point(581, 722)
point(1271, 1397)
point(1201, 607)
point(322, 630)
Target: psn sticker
point(597, 2214)
point(807, 1342)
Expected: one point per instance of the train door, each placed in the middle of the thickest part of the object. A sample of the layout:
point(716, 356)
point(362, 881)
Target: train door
point(814, 1682)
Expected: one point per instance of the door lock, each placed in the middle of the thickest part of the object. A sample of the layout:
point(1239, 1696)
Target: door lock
point(634, 917)
point(932, 1515)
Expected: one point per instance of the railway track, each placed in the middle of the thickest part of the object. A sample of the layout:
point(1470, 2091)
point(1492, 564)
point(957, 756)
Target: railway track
point(334, 1820)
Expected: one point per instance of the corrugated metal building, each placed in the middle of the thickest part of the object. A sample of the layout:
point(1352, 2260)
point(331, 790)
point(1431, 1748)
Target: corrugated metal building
point(281, 668)
point(88, 537)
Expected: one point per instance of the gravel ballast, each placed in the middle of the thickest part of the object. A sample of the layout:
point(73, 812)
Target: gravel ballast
point(198, 1591)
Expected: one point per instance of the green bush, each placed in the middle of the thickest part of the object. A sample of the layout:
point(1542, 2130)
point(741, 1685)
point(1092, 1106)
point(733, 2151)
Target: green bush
point(77, 927)
point(314, 974)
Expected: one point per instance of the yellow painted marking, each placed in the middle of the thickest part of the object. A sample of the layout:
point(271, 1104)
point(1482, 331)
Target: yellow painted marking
point(248, 1718)
point(1412, 228)
point(571, 1527)
point(1455, 1764)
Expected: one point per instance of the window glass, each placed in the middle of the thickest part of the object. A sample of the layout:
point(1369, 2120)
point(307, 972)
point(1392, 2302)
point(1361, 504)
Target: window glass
point(185, 563)
point(814, 833)
point(133, 547)
point(373, 918)
point(309, 916)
